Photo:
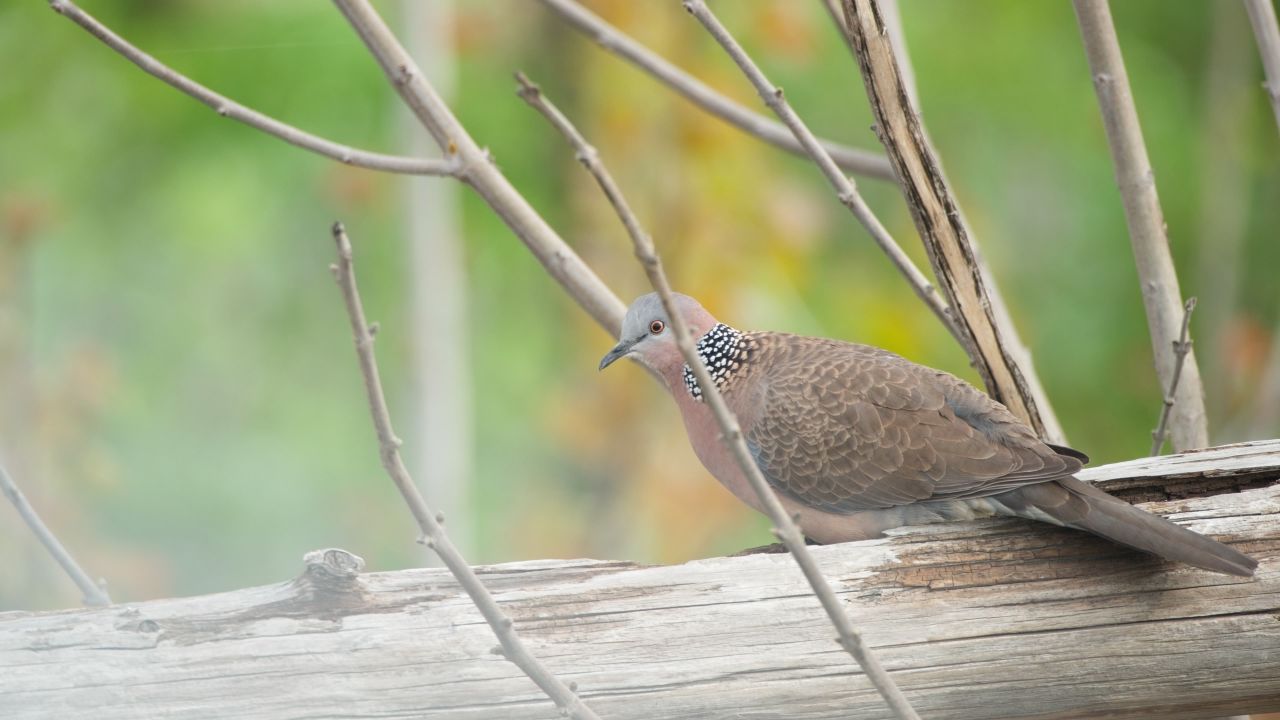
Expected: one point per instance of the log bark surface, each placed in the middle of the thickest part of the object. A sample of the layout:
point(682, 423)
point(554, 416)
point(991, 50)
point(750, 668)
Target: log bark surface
point(993, 619)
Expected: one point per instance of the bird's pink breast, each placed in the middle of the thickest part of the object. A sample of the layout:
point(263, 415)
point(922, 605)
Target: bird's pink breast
point(704, 435)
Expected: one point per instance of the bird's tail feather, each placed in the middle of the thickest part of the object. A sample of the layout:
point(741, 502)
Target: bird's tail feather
point(1077, 504)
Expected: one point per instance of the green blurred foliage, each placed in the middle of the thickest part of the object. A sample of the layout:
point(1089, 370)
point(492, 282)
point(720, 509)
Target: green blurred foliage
point(180, 395)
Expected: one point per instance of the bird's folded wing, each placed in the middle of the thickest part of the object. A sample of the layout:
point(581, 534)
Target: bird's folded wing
point(847, 427)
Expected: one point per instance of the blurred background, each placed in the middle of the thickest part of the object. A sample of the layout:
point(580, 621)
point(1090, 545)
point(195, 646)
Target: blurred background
point(179, 396)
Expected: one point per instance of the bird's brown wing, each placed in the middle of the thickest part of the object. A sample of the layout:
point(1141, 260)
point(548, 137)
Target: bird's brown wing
point(845, 427)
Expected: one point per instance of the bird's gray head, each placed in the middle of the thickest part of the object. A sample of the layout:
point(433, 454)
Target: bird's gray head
point(646, 333)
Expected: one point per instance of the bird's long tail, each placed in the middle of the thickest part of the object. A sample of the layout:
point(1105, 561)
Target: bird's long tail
point(1079, 505)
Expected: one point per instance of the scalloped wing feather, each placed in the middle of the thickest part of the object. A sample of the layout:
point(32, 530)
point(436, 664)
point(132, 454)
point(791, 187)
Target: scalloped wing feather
point(846, 427)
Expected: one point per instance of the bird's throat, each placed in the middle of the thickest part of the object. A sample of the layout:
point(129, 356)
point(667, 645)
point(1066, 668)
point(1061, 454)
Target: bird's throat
point(724, 351)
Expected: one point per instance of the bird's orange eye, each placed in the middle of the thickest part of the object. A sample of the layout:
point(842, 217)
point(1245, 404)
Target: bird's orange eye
point(656, 327)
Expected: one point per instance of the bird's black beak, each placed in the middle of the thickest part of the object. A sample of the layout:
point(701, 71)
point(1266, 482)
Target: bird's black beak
point(618, 351)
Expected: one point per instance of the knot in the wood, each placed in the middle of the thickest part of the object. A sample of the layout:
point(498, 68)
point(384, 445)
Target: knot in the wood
point(333, 564)
point(332, 581)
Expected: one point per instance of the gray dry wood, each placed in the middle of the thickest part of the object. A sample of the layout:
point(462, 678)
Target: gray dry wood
point(1148, 235)
point(976, 620)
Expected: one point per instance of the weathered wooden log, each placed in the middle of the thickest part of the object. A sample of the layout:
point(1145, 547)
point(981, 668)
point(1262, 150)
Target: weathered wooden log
point(992, 619)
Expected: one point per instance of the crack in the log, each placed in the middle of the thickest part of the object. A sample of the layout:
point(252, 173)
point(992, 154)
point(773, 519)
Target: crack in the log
point(1214, 617)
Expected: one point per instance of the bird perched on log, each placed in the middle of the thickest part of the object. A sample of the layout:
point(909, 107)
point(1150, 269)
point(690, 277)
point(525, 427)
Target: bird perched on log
point(857, 440)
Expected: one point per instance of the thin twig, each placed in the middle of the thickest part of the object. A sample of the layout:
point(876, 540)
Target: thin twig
point(614, 41)
point(784, 526)
point(846, 190)
point(431, 524)
point(560, 261)
point(1148, 236)
point(227, 107)
point(1181, 347)
point(94, 592)
point(1262, 15)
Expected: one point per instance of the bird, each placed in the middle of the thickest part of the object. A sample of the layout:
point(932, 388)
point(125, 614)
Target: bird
point(856, 440)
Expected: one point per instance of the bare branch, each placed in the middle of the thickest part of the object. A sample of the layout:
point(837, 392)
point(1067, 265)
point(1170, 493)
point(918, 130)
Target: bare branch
point(227, 107)
point(1181, 347)
point(1262, 15)
point(846, 190)
point(937, 217)
point(1026, 384)
point(559, 260)
point(898, 37)
point(1147, 233)
point(431, 524)
point(614, 41)
point(892, 15)
point(784, 526)
point(94, 592)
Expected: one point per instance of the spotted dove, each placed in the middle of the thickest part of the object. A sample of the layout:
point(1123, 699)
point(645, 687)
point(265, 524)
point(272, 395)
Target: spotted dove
point(857, 440)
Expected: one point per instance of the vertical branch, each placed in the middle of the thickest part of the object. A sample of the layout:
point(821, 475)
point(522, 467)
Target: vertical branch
point(937, 217)
point(1012, 342)
point(1159, 280)
point(784, 526)
point(94, 594)
point(892, 15)
point(1262, 15)
point(432, 524)
point(1181, 347)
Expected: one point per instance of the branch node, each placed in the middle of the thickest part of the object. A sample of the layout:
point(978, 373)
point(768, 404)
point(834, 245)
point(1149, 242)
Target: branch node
point(404, 74)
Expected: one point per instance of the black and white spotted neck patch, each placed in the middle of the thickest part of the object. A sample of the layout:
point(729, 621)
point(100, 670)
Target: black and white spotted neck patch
point(723, 350)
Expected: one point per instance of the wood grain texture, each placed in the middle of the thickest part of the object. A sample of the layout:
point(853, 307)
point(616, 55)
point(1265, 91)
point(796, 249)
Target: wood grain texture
point(993, 619)
point(937, 217)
